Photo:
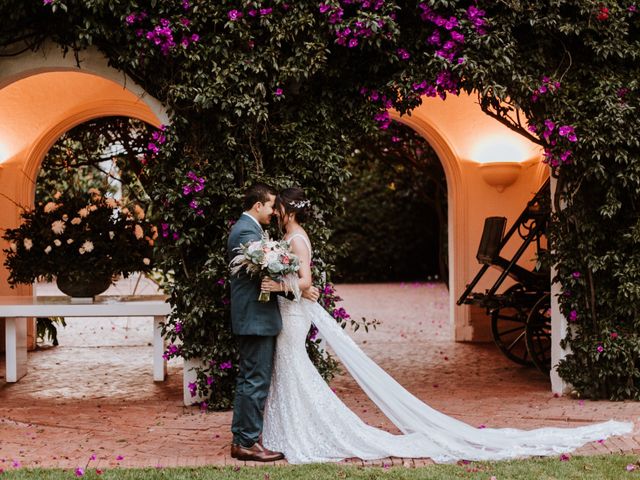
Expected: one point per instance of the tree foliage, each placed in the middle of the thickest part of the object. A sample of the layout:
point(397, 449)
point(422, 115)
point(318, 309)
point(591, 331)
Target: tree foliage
point(281, 92)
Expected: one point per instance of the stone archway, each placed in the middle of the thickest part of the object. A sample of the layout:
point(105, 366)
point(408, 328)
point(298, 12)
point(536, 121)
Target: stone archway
point(456, 129)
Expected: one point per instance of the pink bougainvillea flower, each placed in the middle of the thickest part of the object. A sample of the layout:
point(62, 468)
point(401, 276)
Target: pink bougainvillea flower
point(234, 15)
point(573, 316)
point(92, 457)
point(353, 42)
point(193, 388)
point(324, 8)
point(119, 458)
point(79, 472)
point(278, 92)
point(434, 38)
point(575, 274)
point(614, 335)
point(564, 457)
point(47, 2)
point(600, 348)
point(457, 36)
point(564, 156)
point(266, 11)
point(403, 54)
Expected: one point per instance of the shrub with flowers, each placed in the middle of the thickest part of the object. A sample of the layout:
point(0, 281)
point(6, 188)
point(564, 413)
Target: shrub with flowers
point(85, 236)
point(279, 91)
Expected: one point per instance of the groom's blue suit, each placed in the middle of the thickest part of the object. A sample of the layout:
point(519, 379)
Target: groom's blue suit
point(256, 325)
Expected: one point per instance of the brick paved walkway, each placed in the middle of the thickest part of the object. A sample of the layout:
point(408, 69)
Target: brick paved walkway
point(95, 394)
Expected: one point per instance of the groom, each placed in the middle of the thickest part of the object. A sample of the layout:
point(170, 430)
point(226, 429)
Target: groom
point(256, 325)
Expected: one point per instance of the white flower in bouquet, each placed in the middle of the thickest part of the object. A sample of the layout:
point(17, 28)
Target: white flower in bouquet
point(57, 195)
point(47, 249)
point(76, 221)
point(146, 261)
point(28, 243)
point(138, 232)
point(111, 235)
point(111, 202)
point(92, 208)
point(57, 242)
point(83, 212)
point(270, 260)
point(69, 241)
point(13, 246)
point(58, 227)
point(50, 207)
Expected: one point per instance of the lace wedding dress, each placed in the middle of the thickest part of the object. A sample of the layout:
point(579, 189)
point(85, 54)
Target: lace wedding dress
point(306, 421)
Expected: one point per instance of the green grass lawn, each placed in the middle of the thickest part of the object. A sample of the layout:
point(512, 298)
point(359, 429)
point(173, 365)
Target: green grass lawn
point(592, 467)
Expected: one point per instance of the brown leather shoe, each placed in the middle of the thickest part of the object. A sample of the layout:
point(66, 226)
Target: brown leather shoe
point(255, 453)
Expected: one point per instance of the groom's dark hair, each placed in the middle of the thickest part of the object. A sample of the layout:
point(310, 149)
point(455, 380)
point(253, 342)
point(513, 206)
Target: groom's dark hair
point(258, 192)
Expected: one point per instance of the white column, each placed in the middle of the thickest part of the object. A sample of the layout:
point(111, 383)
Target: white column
point(189, 376)
point(159, 363)
point(16, 346)
point(559, 326)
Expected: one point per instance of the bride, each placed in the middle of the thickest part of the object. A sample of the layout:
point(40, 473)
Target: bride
point(306, 421)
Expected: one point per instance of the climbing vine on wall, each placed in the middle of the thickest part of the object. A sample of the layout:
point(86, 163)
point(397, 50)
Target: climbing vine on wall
point(279, 91)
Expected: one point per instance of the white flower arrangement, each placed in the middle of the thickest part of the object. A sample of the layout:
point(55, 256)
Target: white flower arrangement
point(90, 233)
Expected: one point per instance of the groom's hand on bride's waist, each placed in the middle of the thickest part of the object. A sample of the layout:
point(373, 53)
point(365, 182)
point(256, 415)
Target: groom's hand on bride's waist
point(312, 293)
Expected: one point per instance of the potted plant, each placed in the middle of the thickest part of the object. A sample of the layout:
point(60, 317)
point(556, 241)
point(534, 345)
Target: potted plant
point(82, 241)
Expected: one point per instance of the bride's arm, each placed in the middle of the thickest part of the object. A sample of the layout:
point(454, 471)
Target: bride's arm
point(304, 273)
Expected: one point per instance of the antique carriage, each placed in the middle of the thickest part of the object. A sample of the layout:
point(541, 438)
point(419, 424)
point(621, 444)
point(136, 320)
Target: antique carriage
point(520, 314)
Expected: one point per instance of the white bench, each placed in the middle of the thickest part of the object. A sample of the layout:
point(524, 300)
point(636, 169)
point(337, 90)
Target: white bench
point(16, 310)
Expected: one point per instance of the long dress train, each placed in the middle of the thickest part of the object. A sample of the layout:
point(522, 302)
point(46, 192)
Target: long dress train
point(307, 421)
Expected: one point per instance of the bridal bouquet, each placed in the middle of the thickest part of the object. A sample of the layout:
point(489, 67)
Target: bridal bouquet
point(266, 257)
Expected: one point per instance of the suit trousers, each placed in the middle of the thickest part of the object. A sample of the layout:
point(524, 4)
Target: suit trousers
point(252, 387)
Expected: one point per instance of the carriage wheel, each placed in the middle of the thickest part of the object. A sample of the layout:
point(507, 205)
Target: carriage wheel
point(538, 334)
point(508, 326)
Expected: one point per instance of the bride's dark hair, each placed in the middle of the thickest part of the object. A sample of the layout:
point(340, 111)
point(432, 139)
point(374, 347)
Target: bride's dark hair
point(293, 200)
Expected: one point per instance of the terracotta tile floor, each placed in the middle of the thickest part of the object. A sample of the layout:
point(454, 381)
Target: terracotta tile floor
point(95, 394)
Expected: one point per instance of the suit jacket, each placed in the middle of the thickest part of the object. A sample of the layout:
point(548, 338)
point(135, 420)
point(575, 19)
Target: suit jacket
point(248, 315)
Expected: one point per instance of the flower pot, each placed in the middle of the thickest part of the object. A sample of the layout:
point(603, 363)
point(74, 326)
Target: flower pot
point(82, 287)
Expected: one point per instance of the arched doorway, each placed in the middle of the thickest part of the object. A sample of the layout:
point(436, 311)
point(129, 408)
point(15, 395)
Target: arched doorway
point(42, 95)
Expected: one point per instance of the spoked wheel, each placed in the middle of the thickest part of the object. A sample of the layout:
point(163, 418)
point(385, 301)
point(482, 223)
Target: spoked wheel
point(508, 325)
point(538, 334)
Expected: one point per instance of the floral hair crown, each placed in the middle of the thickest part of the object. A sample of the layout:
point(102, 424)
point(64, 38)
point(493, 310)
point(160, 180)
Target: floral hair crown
point(300, 204)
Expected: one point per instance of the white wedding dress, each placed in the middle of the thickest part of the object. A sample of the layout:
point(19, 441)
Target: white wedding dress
point(306, 420)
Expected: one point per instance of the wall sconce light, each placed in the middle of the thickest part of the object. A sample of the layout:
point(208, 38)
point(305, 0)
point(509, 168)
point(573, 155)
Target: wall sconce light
point(500, 174)
point(500, 160)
